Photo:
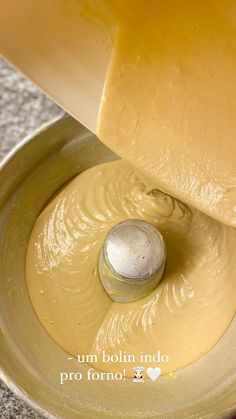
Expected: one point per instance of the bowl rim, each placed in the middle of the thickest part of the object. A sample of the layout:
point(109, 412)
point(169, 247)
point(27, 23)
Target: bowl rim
point(4, 376)
point(20, 393)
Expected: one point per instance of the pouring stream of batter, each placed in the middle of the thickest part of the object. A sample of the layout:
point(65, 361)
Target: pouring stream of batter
point(168, 109)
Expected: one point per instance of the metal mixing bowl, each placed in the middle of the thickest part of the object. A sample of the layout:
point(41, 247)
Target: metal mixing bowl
point(30, 361)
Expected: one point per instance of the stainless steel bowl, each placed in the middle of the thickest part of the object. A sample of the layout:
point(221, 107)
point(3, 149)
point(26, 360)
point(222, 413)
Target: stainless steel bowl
point(30, 361)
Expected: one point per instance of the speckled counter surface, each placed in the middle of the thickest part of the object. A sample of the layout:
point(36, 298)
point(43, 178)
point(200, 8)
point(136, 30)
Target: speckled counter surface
point(22, 109)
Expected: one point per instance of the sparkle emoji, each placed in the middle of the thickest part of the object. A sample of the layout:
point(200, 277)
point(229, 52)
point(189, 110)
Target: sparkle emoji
point(171, 375)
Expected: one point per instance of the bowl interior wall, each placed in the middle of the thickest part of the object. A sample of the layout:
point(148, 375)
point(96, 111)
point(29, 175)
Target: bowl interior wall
point(30, 361)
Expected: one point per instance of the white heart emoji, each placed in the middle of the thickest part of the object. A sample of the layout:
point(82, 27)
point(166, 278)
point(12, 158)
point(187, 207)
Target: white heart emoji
point(154, 373)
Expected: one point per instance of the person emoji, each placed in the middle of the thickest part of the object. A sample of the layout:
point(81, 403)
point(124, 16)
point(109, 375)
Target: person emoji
point(138, 375)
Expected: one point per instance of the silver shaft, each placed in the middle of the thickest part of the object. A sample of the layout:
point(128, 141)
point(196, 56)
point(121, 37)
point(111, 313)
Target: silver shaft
point(132, 260)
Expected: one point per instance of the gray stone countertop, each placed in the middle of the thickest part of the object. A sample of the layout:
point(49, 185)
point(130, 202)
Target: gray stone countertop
point(23, 108)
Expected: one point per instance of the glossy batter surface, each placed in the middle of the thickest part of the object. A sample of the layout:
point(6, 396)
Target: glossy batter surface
point(169, 101)
point(183, 317)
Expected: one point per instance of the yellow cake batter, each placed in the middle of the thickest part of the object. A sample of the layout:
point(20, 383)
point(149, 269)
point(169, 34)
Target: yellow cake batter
point(169, 102)
point(168, 109)
point(183, 317)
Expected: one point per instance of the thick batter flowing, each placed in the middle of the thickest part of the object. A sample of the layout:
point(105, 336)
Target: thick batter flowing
point(168, 109)
point(186, 314)
point(169, 102)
